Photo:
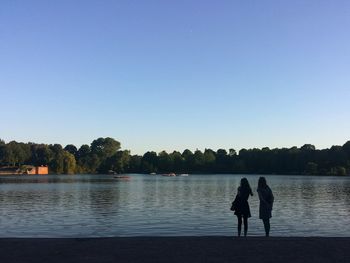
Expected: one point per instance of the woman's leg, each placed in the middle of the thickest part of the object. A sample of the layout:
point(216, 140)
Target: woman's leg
point(239, 225)
point(245, 225)
point(267, 226)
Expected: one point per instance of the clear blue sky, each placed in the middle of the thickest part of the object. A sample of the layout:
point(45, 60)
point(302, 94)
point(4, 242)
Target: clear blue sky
point(176, 74)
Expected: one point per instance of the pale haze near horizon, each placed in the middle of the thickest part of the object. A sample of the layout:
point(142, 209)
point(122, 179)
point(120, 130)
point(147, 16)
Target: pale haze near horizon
point(164, 75)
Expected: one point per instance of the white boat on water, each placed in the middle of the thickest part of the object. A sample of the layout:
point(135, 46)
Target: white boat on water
point(170, 174)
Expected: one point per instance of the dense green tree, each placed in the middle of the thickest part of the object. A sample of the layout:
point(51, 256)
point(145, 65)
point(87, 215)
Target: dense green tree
point(119, 162)
point(188, 160)
point(311, 168)
point(178, 162)
point(16, 153)
point(2, 154)
point(56, 148)
point(83, 151)
point(63, 162)
point(71, 149)
point(346, 148)
point(121, 165)
point(222, 161)
point(338, 170)
point(83, 158)
point(41, 154)
point(308, 147)
point(135, 164)
point(337, 156)
point(104, 154)
point(232, 152)
point(209, 160)
point(149, 162)
point(165, 162)
point(69, 163)
point(198, 161)
point(57, 163)
point(6, 155)
point(93, 163)
point(104, 147)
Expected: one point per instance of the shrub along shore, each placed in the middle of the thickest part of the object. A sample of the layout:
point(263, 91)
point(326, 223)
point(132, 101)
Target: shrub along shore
point(176, 249)
point(104, 155)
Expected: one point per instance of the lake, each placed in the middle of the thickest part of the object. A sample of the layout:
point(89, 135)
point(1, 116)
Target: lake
point(148, 205)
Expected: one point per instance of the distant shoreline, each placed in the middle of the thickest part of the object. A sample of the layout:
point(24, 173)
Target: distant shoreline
point(146, 174)
point(176, 249)
point(104, 155)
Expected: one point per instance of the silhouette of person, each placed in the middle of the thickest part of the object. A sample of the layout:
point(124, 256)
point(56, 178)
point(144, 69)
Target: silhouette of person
point(241, 206)
point(266, 202)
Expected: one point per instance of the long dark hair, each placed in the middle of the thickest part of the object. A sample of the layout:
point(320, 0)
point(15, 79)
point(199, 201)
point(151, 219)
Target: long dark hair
point(262, 183)
point(245, 187)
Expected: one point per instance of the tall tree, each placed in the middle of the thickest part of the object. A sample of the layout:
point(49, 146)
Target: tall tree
point(209, 161)
point(149, 162)
point(105, 147)
point(69, 163)
point(71, 149)
point(165, 162)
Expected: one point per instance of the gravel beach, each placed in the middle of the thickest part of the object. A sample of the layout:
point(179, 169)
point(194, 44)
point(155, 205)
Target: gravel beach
point(176, 249)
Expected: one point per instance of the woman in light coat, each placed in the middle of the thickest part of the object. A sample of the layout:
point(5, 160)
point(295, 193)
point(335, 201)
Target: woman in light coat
point(266, 202)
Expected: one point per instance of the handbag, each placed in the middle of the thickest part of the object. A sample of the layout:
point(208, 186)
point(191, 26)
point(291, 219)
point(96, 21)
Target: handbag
point(233, 206)
point(234, 203)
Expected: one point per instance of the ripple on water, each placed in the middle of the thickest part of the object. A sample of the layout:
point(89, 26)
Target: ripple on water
point(96, 206)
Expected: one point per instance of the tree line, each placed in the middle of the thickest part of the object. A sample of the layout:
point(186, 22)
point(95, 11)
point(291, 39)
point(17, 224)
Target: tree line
point(104, 155)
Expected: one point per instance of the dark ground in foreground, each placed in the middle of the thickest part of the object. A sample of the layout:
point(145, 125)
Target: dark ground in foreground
point(176, 249)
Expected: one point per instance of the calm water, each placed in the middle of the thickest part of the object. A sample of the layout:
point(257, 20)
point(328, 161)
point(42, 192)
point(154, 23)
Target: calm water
point(145, 205)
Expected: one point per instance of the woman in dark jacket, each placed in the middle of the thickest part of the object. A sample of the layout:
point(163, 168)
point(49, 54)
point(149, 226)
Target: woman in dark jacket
point(266, 202)
point(241, 206)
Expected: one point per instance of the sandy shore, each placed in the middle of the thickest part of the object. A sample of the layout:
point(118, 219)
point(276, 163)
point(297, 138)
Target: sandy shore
point(176, 249)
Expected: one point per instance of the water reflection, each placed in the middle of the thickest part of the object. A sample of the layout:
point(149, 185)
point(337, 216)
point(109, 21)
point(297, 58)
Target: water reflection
point(95, 205)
